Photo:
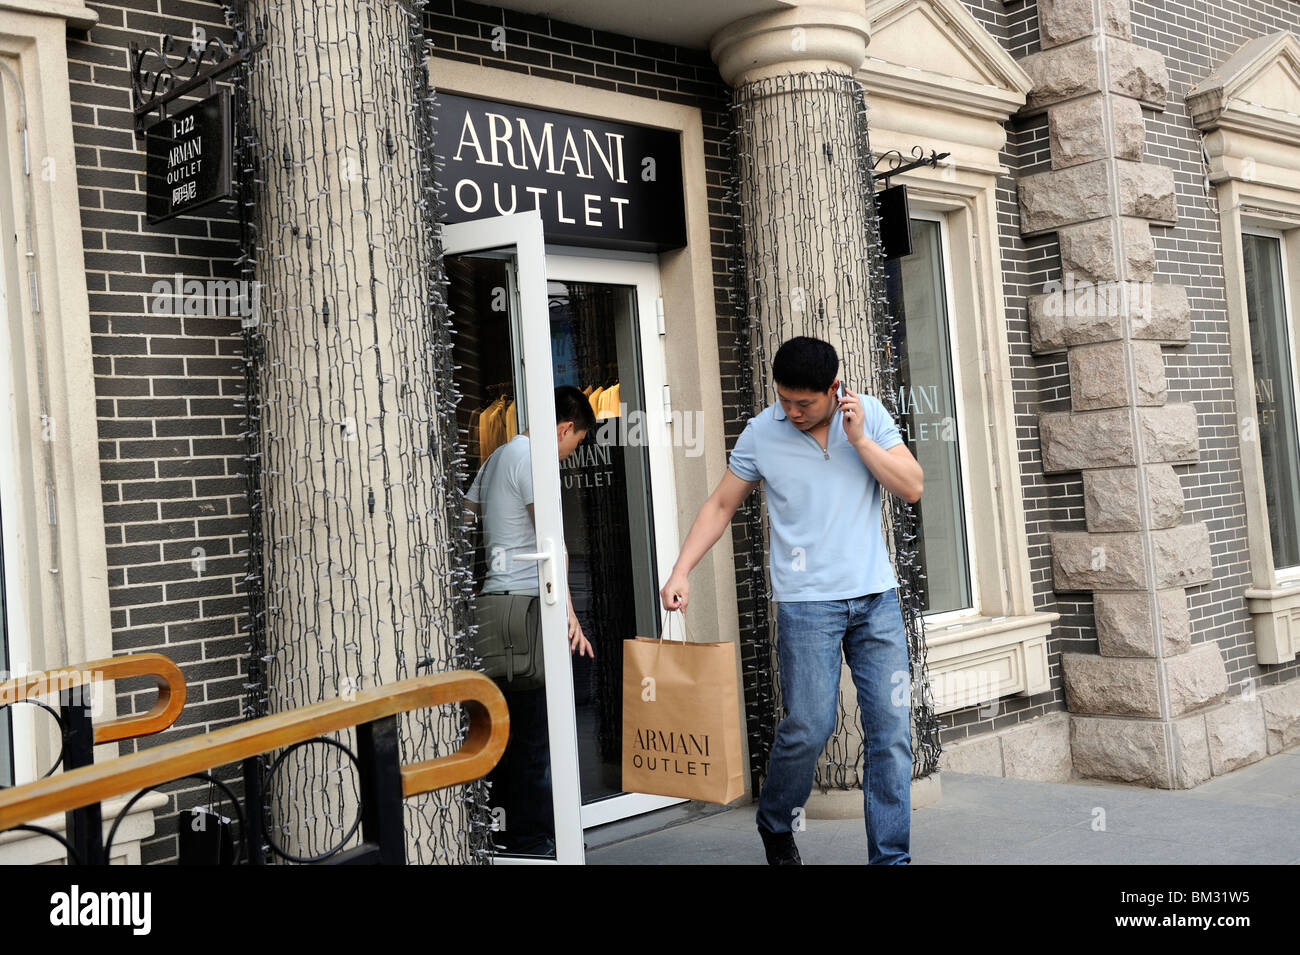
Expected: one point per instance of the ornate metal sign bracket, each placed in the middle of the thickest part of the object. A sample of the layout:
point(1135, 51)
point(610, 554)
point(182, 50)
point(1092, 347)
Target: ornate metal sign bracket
point(897, 164)
point(156, 80)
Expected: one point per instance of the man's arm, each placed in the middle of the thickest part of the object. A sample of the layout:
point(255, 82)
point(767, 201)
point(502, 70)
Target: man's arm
point(895, 469)
point(578, 642)
point(714, 516)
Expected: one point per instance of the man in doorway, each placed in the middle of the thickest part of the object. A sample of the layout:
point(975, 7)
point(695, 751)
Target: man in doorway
point(503, 492)
point(824, 453)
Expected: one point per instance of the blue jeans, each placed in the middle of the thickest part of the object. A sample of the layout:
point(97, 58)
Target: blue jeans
point(810, 635)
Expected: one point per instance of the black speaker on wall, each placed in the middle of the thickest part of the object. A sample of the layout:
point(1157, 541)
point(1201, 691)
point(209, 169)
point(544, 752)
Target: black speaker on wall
point(895, 223)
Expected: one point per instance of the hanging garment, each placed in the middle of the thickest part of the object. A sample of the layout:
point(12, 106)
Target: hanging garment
point(491, 429)
point(609, 401)
point(473, 435)
point(594, 398)
point(511, 420)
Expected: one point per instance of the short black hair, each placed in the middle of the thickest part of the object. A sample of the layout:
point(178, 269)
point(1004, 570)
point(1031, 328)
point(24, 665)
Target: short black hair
point(806, 364)
point(572, 405)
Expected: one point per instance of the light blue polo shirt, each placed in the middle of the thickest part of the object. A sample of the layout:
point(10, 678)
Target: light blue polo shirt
point(823, 507)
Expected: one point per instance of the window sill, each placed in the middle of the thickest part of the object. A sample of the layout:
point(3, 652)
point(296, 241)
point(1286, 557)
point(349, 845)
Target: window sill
point(31, 848)
point(1276, 615)
point(987, 658)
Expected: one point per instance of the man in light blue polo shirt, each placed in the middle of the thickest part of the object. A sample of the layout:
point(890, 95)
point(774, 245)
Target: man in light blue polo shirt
point(824, 454)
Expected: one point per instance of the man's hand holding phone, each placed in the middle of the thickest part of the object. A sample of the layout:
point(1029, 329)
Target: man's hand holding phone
point(853, 417)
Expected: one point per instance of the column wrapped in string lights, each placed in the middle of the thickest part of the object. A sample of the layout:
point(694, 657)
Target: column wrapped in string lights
point(809, 263)
point(360, 571)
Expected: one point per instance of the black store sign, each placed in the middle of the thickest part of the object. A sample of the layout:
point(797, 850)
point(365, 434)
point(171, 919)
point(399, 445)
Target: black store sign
point(188, 158)
point(596, 183)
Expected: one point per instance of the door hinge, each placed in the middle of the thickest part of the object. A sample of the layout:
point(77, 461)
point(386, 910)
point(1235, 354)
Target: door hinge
point(659, 315)
point(668, 406)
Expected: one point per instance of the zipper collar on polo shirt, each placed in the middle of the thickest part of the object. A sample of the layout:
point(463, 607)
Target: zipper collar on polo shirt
point(830, 431)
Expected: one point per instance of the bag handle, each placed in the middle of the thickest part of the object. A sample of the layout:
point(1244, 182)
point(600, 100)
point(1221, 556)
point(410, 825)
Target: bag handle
point(686, 630)
point(659, 644)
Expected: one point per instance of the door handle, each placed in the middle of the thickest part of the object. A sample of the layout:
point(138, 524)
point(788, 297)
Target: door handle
point(547, 558)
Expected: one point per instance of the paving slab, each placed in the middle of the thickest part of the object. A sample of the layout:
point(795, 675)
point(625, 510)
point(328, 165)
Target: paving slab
point(1249, 816)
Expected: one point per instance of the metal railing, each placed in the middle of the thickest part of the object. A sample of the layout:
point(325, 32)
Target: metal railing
point(384, 781)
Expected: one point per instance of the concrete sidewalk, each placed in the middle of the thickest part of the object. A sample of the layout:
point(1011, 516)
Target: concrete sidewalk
point(1246, 817)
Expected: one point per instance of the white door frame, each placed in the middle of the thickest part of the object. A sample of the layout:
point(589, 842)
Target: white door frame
point(22, 718)
point(522, 232)
point(642, 271)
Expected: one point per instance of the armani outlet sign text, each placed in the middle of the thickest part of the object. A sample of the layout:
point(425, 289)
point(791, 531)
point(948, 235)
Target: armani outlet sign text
point(596, 183)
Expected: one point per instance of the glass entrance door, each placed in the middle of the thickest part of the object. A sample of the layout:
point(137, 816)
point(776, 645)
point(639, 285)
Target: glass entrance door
point(561, 523)
point(617, 495)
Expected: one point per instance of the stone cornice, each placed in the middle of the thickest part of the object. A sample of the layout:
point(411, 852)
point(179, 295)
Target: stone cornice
point(1242, 96)
point(78, 15)
point(934, 90)
point(1002, 84)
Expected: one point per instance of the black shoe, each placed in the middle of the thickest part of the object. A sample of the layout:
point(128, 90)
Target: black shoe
point(780, 847)
point(532, 846)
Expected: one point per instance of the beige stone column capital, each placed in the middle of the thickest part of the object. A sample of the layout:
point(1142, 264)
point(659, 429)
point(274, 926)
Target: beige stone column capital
point(808, 38)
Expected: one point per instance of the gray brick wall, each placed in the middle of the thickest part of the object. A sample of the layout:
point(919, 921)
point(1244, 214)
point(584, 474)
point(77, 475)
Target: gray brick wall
point(1195, 38)
point(1051, 502)
point(462, 30)
point(167, 392)
point(168, 387)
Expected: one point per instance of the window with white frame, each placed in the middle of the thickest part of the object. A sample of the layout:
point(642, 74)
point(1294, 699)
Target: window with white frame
point(930, 415)
point(1245, 110)
point(1271, 349)
point(6, 722)
point(15, 721)
point(7, 775)
point(55, 598)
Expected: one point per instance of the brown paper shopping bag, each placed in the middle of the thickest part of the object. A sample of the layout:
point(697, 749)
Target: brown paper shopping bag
point(681, 720)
